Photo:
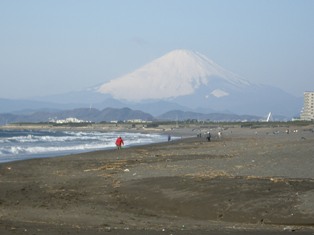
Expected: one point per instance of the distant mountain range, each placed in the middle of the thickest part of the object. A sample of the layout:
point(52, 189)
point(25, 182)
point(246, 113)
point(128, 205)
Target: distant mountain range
point(215, 117)
point(86, 114)
point(180, 80)
point(123, 114)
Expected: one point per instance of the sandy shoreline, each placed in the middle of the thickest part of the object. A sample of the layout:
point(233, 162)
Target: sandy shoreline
point(252, 181)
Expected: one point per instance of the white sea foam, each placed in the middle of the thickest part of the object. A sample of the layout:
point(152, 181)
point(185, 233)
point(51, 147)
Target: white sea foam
point(18, 146)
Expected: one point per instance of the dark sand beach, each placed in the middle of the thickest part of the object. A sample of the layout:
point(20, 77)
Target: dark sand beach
point(249, 181)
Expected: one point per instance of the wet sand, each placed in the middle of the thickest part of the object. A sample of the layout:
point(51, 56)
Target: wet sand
point(249, 181)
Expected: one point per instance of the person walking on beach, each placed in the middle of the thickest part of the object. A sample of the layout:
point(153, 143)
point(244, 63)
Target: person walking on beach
point(219, 134)
point(119, 142)
point(208, 137)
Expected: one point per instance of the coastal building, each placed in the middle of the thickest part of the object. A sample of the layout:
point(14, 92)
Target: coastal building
point(308, 108)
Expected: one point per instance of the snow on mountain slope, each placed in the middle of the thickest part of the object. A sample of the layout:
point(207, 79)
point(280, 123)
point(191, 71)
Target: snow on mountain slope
point(182, 80)
point(175, 74)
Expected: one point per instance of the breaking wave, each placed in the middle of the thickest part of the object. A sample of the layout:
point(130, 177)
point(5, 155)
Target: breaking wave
point(26, 144)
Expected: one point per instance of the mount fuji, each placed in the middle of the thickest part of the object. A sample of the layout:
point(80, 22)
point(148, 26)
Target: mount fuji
point(178, 73)
point(180, 80)
point(191, 80)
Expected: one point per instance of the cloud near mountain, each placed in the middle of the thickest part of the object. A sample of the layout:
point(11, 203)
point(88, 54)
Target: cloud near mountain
point(175, 74)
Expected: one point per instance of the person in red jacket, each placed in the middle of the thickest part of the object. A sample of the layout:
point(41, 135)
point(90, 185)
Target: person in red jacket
point(119, 142)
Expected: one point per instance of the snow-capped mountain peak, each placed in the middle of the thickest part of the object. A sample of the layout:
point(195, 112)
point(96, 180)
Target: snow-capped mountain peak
point(178, 73)
point(182, 80)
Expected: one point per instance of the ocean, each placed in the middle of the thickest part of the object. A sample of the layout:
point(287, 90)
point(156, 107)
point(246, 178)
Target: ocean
point(26, 144)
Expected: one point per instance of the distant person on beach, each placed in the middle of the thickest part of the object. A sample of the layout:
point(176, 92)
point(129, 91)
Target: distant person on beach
point(208, 137)
point(169, 137)
point(119, 142)
point(219, 134)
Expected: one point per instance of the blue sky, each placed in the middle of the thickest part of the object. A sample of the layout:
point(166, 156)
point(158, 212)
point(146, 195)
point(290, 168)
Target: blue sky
point(56, 46)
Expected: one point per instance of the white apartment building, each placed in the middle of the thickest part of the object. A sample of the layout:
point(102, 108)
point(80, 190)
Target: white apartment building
point(308, 108)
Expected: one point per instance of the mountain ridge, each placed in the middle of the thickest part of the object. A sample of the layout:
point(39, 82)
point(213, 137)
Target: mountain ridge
point(123, 114)
point(177, 73)
point(86, 114)
point(191, 80)
point(181, 79)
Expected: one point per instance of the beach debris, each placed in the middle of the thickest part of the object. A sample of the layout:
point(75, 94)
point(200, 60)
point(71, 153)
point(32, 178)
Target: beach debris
point(9, 168)
point(289, 228)
point(126, 170)
point(108, 166)
point(209, 174)
point(276, 180)
point(116, 184)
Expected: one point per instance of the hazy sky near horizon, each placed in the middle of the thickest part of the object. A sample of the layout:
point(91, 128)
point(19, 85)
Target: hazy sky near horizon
point(56, 46)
